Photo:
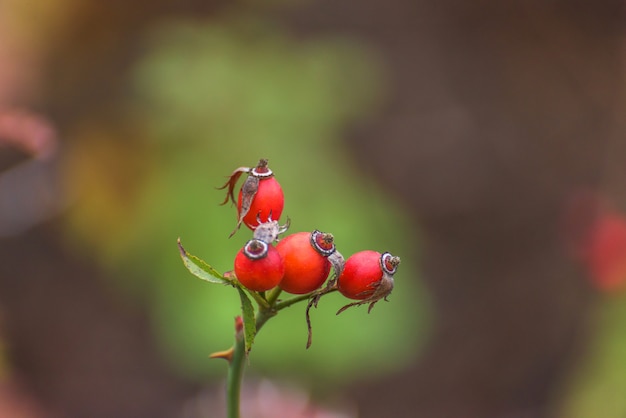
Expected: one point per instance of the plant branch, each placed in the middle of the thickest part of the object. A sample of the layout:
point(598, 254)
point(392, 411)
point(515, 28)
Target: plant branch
point(263, 316)
point(287, 303)
point(235, 372)
point(259, 299)
point(268, 307)
point(273, 295)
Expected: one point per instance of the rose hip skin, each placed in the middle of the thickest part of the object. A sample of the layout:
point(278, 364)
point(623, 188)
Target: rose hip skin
point(306, 269)
point(260, 197)
point(368, 278)
point(267, 202)
point(259, 266)
point(361, 273)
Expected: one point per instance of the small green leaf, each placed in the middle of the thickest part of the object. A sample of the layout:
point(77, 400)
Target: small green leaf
point(249, 324)
point(200, 269)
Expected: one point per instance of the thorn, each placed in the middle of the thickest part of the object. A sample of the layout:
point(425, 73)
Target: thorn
point(226, 354)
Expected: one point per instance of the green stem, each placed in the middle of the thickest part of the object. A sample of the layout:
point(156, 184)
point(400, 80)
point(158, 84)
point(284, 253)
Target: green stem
point(260, 300)
point(273, 295)
point(287, 303)
point(263, 316)
point(235, 375)
point(267, 308)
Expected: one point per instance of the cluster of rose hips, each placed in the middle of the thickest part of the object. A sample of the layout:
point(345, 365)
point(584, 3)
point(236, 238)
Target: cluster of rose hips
point(301, 262)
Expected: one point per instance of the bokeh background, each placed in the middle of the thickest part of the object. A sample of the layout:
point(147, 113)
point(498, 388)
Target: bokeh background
point(479, 140)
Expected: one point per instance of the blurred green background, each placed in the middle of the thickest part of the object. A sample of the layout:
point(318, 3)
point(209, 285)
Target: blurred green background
point(213, 98)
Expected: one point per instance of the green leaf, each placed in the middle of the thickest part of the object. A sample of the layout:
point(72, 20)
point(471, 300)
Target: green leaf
point(249, 324)
point(201, 269)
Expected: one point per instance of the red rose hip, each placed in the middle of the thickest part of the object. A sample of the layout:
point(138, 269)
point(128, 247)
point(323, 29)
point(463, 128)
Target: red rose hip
point(260, 198)
point(367, 277)
point(259, 266)
point(266, 205)
point(305, 256)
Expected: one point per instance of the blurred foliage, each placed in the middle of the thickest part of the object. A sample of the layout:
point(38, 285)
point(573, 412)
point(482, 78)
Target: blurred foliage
point(208, 98)
point(598, 389)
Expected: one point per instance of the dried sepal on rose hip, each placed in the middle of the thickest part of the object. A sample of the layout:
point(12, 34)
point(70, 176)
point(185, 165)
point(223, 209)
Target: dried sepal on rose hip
point(270, 230)
point(367, 277)
point(305, 256)
point(259, 266)
point(260, 199)
point(308, 259)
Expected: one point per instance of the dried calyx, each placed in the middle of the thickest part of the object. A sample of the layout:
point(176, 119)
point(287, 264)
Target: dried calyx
point(269, 231)
point(323, 242)
point(389, 263)
point(256, 249)
point(262, 170)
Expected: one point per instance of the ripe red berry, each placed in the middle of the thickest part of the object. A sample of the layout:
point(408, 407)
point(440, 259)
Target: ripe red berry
point(368, 277)
point(266, 205)
point(261, 197)
point(259, 266)
point(305, 256)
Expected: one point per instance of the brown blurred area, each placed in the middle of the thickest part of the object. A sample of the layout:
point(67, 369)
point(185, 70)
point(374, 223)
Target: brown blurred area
point(503, 112)
point(499, 112)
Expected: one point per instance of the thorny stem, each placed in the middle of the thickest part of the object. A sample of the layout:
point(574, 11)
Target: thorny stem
point(268, 307)
point(236, 358)
point(235, 374)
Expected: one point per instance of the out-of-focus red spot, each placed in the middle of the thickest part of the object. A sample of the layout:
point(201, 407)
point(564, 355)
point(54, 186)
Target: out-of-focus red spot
point(605, 252)
point(28, 131)
point(594, 233)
